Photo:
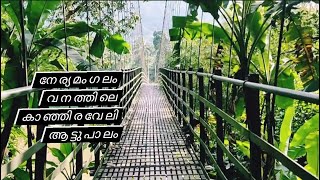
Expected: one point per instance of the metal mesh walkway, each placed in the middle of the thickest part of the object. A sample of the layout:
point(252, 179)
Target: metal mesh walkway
point(152, 146)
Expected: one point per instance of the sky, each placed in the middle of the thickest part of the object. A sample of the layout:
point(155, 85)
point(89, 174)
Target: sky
point(152, 15)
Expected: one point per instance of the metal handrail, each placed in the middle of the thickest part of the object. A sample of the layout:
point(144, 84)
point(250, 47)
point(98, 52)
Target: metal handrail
point(299, 95)
point(16, 92)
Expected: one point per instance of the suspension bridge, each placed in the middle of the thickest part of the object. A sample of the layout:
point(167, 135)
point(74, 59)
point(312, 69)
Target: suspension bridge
point(167, 134)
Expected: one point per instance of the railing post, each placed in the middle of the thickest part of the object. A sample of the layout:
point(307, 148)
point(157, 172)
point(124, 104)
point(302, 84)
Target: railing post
point(41, 155)
point(175, 93)
point(254, 125)
point(166, 73)
point(169, 84)
point(191, 118)
point(128, 78)
point(79, 155)
point(97, 158)
point(203, 133)
point(184, 98)
point(219, 129)
point(179, 95)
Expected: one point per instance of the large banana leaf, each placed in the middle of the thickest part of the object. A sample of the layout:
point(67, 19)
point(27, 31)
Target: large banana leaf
point(285, 129)
point(20, 174)
point(285, 80)
point(211, 6)
point(308, 127)
point(117, 44)
point(255, 26)
point(97, 47)
point(38, 11)
point(72, 29)
point(66, 148)
point(12, 76)
point(11, 80)
point(195, 30)
point(179, 21)
point(57, 153)
point(114, 42)
point(73, 54)
point(5, 36)
point(13, 10)
point(312, 148)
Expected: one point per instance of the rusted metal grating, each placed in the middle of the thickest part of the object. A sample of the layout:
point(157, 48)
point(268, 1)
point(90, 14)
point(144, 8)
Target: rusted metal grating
point(153, 145)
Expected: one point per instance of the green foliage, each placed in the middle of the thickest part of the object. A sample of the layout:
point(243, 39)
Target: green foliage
point(97, 46)
point(57, 153)
point(117, 44)
point(308, 127)
point(303, 33)
point(20, 174)
point(240, 106)
point(46, 51)
point(66, 148)
point(285, 130)
point(179, 21)
point(244, 147)
point(13, 10)
point(312, 148)
point(37, 12)
point(297, 152)
point(285, 80)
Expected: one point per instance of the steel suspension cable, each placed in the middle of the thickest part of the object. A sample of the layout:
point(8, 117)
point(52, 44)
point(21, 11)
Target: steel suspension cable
point(190, 63)
point(200, 41)
point(88, 31)
point(186, 46)
point(141, 34)
point(230, 53)
point(277, 64)
point(199, 51)
point(211, 57)
point(66, 56)
point(161, 40)
point(26, 81)
point(65, 34)
point(101, 24)
point(110, 51)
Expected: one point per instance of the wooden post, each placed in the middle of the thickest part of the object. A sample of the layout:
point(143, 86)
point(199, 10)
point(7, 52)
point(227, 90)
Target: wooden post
point(254, 125)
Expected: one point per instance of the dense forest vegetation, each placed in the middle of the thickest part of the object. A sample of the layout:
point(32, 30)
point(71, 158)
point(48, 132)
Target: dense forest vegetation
point(280, 44)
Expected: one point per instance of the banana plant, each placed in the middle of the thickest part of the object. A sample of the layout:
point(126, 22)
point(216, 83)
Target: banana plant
point(304, 36)
point(39, 39)
point(61, 154)
point(41, 36)
point(247, 22)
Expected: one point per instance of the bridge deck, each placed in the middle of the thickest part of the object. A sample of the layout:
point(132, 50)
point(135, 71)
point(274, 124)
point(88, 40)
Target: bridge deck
point(153, 145)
